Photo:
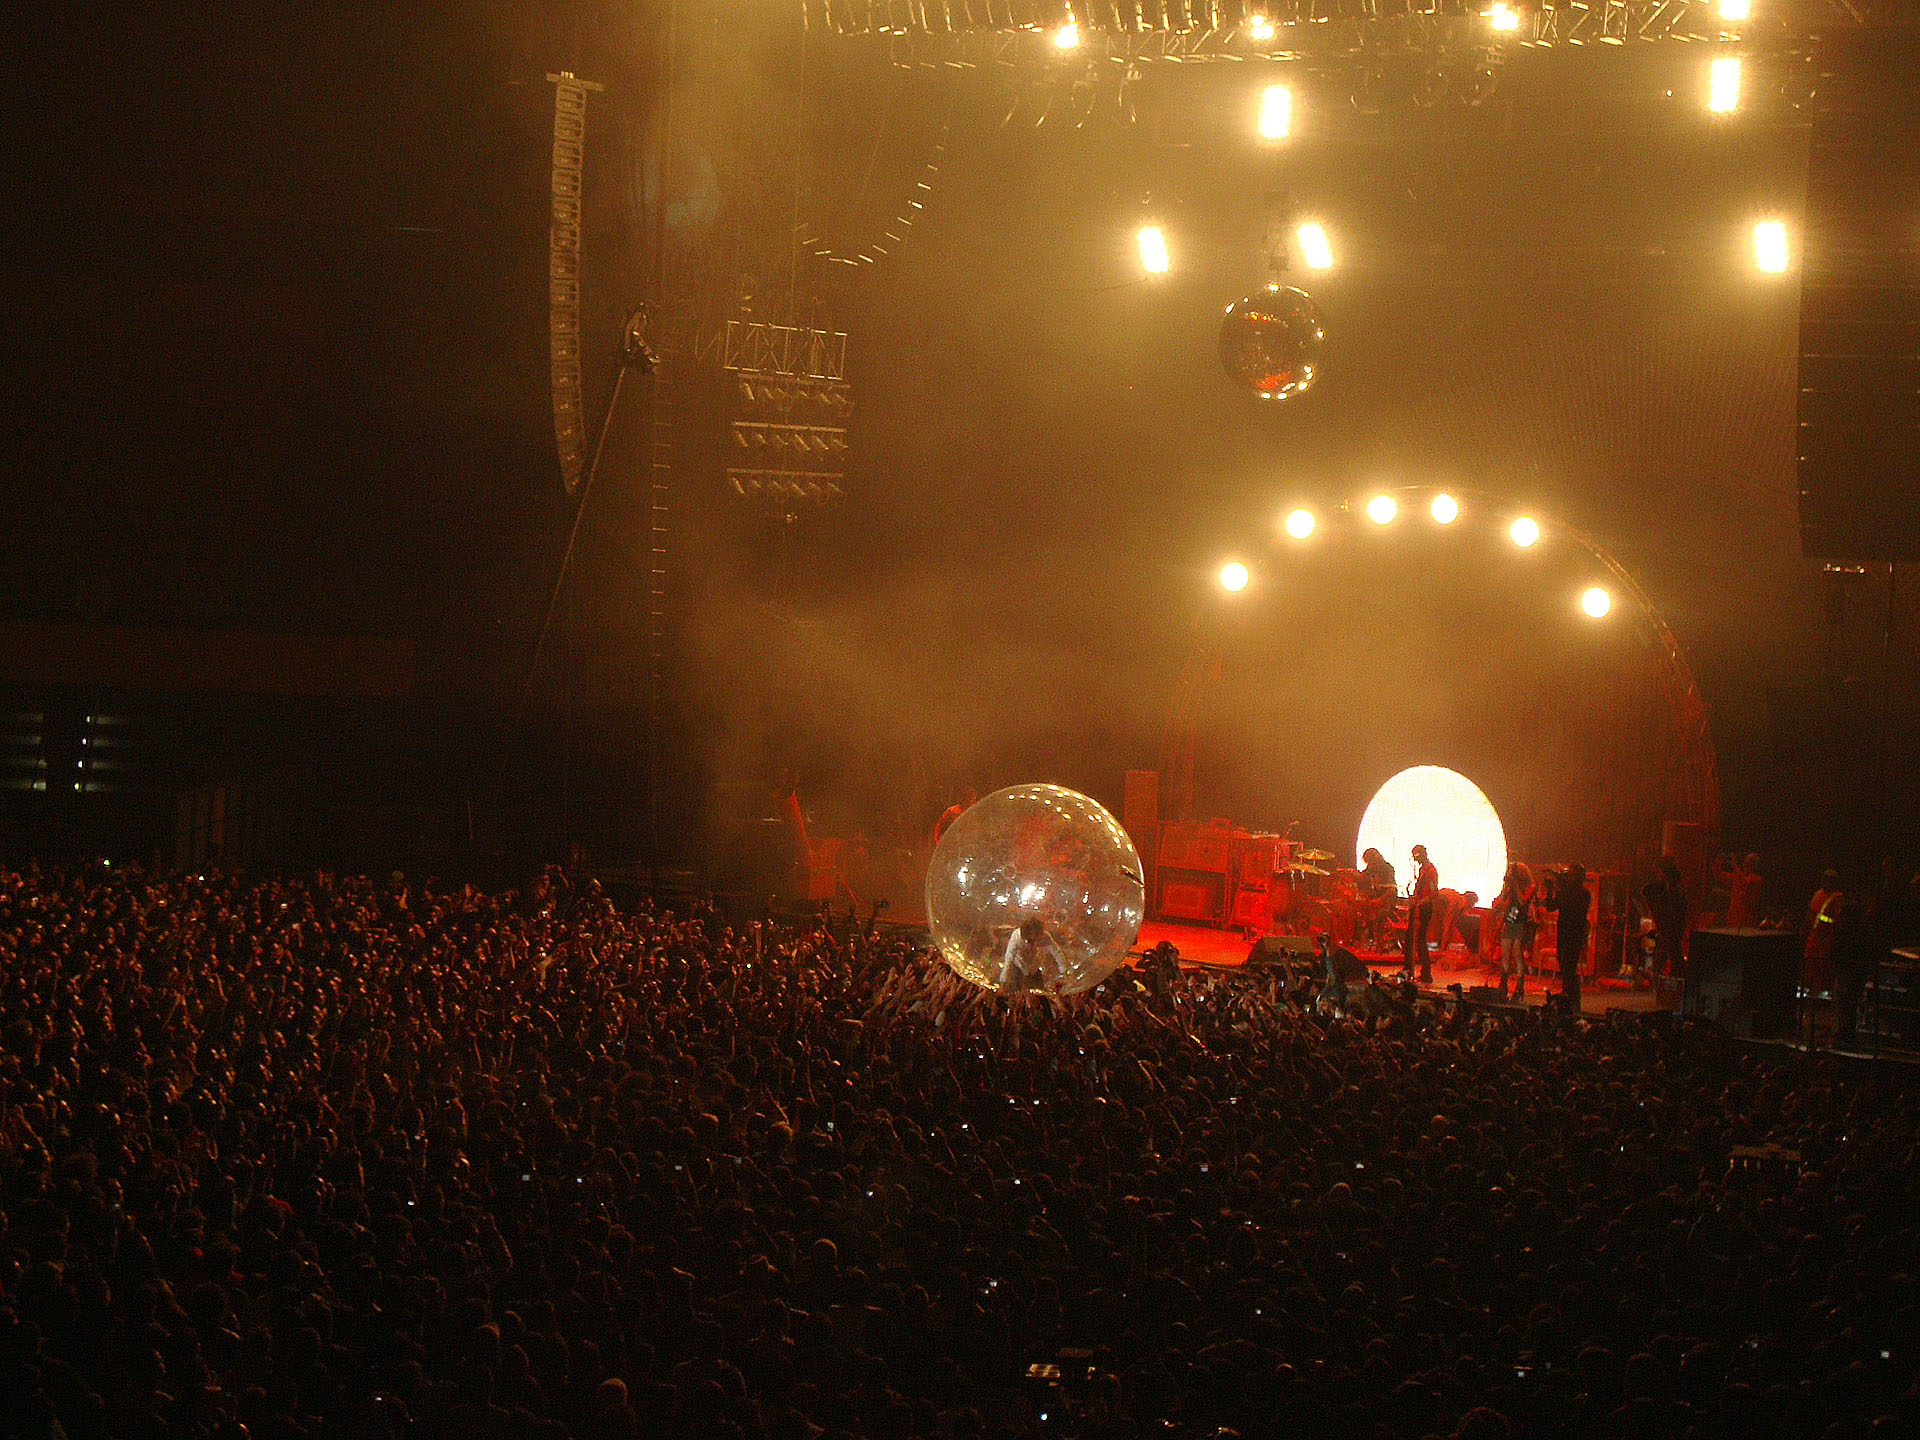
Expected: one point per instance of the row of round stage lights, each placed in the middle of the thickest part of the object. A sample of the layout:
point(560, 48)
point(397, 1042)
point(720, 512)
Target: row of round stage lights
point(1596, 601)
point(1772, 249)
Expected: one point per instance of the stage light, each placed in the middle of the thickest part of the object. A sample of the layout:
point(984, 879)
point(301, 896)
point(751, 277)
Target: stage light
point(1770, 247)
point(1300, 523)
point(1735, 9)
point(1525, 531)
point(1446, 812)
point(1381, 509)
point(1259, 28)
point(1233, 576)
point(1276, 112)
point(1504, 17)
point(1723, 85)
point(1067, 36)
point(1596, 601)
point(1445, 509)
point(1314, 248)
point(1153, 250)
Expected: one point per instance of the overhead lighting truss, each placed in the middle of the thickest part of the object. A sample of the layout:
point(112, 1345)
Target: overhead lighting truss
point(785, 351)
point(787, 441)
point(787, 490)
point(981, 32)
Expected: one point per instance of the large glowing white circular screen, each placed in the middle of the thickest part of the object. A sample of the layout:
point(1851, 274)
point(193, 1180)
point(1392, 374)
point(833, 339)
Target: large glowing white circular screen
point(1441, 809)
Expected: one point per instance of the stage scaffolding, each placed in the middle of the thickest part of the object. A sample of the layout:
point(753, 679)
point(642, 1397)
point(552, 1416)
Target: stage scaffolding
point(1241, 29)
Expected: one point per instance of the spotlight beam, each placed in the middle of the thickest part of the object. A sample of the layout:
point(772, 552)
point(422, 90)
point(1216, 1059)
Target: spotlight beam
point(1276, 112)
point(1770, 249)
point(1315, 248)
point(1154, 258)
point(1723, 84)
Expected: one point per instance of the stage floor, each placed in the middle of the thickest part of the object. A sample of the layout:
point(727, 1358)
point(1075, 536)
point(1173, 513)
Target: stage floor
point(1202, 945)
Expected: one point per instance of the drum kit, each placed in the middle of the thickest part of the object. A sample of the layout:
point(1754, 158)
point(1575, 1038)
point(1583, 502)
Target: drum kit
point(1308, 897)
point(1296, 878)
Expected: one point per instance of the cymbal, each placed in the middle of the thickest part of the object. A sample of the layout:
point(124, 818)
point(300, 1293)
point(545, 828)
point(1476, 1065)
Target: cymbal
point(1313, 855)
point(1293, 869)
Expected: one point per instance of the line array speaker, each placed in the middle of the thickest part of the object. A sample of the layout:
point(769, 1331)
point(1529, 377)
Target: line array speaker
point(1859, 409)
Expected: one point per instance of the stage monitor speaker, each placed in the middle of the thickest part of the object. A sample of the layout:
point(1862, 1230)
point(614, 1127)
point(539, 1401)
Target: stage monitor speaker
point(1282, 949)
point(1746, 981)
point(1859, 409)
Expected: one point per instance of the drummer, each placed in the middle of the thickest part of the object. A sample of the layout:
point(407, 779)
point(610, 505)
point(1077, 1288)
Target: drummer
point(1376, 875)
point(1378, 892)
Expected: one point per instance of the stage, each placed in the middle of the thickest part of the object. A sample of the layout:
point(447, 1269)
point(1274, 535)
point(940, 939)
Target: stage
point(1205, 947)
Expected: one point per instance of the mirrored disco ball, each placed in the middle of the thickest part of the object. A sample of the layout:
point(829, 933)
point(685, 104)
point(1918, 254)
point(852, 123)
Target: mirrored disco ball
point(1270, 342)
point(1035, 887)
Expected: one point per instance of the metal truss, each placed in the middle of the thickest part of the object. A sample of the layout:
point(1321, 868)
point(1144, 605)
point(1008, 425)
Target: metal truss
point(1616, 22)
point(791, 351)
point(788, 427)
point(1007, 32)
point(797, 439)
point(785, 491)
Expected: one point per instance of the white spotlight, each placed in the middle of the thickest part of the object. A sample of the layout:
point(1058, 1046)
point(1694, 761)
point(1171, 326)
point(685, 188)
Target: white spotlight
point(1770, 247)
point(1504, 17)
point(1596, 601)
point(1735, 9)
point(1314, 248)
point(1381, 509)
point(1300, 523)
point(1153, 250)
point(1445, 509)
point(1443, 810)
point(1723, 85)
point(1525, 531)
point(1276, 112)
point(1259, 28)
point(1067, 36)
point(1233, 576)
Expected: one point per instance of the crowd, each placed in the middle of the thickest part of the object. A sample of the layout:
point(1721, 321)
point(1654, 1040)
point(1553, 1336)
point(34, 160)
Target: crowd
point(355, 1158)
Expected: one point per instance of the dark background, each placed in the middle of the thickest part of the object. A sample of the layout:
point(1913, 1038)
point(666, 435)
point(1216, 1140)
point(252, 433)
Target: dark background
point(274, 292)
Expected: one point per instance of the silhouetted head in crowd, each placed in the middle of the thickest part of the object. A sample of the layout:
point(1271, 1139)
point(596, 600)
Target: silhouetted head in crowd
point(346, 1158)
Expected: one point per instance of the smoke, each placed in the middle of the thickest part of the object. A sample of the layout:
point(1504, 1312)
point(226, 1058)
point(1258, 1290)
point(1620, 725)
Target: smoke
point(882, 700)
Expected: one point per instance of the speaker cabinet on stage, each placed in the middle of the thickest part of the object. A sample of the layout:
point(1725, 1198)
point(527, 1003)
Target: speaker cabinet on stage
point(1193, 895)
point(1194, 878)
point(1252, 871)
point(1859, 411)
point(1746, 981)
point(1196, 847)
point(1140, 818)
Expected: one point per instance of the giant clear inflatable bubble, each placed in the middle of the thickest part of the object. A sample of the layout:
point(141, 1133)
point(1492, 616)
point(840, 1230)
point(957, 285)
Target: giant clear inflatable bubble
point(1036, 887)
